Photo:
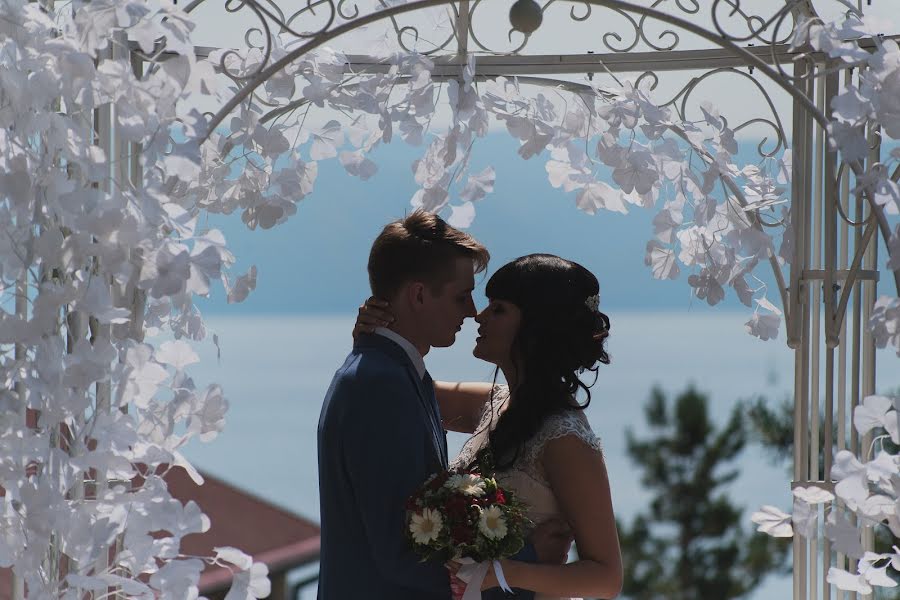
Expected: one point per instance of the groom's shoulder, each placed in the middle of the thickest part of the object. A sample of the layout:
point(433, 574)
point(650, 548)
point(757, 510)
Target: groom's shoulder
point(369, 364)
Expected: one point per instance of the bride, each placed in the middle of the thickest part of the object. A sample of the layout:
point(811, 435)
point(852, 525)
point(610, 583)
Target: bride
point(542, 328)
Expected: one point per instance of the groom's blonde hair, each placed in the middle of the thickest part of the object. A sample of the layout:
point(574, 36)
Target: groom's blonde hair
point(420, 247)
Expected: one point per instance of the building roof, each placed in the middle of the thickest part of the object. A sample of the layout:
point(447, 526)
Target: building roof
point(268, 533)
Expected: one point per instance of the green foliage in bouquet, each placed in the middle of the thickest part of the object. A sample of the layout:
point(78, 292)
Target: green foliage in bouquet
point(460, 513)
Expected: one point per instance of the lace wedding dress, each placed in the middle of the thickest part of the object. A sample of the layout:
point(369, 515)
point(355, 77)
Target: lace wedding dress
point(526, 478)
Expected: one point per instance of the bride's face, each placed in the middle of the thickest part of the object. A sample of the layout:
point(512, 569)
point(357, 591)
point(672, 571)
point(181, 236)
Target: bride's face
point(497, 327)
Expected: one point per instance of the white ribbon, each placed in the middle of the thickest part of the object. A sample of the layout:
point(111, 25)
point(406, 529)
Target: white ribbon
point(473, 574)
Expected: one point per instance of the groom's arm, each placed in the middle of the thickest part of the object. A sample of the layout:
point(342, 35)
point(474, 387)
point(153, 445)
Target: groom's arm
point(384, 454)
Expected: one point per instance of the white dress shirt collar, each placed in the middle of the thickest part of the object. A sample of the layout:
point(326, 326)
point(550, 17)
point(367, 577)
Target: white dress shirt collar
point(416, 358)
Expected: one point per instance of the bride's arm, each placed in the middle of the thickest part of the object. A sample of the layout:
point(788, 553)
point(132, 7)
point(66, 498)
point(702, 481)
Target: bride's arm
point(461, 403)
point(577, 474)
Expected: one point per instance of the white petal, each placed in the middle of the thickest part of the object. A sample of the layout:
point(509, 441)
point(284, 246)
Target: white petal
point(234, 556)
point(848, 581)
point(844, 535)
point(853, 490)
point(462, 215)
point(661, 261)
point(878, 576)
point(478, 186)
point(243, 286)
point(870, 413)
point(177, 353)
point(773, 521)
point(805, 519)
point(764, 303)
point(813, 495)
point(845, 465)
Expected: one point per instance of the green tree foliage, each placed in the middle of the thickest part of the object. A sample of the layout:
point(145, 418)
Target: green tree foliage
point(690, 542)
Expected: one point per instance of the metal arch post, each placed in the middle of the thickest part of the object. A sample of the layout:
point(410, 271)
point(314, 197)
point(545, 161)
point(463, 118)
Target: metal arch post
point(870, 261)
point(798, 326)
point(815, 293)
point(462, 30)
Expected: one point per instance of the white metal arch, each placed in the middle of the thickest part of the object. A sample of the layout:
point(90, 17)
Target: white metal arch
point(830, 291)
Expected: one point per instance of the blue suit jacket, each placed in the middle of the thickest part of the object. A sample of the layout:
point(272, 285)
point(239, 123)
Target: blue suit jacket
point(379, 438)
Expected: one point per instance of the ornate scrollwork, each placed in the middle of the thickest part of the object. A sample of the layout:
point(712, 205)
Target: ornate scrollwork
point(764, 29)
point(757, 25)
point(736, 21)
point(681, 99)
point(403, 31)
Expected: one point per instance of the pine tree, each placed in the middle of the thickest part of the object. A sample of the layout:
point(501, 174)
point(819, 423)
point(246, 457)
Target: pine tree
point(690, 544)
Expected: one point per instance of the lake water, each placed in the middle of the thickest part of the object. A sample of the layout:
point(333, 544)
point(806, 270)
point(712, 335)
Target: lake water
point(275, 371)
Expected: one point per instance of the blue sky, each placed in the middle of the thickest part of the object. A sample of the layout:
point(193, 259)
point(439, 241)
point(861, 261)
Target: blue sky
point(315, 263)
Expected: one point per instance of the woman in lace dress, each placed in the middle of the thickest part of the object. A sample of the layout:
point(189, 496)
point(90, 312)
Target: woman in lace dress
point(542, 328)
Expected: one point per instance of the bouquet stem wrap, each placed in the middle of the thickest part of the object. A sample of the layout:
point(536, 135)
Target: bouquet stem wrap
point(473, 574)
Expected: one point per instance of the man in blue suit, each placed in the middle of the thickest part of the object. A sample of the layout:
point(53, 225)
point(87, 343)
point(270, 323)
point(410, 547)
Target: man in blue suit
point(380, 433)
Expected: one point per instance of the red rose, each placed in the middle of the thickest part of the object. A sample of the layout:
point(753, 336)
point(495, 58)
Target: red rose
point(457, 507)
point(461, 534)
point(499, 498)
point(438, 481)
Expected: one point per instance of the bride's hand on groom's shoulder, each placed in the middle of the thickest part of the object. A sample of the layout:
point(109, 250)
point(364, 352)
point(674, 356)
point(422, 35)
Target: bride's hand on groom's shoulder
point(373, 313)
point(552, 540)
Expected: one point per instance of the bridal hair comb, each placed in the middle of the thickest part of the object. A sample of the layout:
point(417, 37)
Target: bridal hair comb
point(593, 303)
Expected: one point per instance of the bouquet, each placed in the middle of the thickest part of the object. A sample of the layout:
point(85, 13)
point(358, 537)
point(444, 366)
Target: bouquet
point(463, 516)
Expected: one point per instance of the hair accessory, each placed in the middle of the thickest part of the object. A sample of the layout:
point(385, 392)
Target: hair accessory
point(593, 303)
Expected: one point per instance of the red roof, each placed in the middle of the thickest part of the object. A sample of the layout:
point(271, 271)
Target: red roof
point(268, 533)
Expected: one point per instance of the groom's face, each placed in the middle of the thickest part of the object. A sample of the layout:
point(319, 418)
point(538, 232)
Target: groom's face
point(447, 307)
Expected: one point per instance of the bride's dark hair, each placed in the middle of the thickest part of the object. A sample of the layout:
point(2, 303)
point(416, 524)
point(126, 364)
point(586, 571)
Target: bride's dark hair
point(559, 337)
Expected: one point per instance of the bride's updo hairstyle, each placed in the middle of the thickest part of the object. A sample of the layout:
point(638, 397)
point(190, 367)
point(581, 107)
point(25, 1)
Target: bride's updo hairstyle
point(561, 334)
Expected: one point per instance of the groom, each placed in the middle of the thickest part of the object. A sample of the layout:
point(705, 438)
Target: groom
point(380, 434)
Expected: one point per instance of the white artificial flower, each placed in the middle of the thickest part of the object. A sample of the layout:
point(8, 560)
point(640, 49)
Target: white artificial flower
point(468, 484)
point(492, 524)
point(661, 261)
point(849, 582)
point(765, 327)
point(426, 527)
point(887, 103)
point(812, 495)
point(773, 522)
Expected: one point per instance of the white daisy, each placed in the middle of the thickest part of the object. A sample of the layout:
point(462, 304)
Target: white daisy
point(492, 524)
point(426, 527)
point(468, 484)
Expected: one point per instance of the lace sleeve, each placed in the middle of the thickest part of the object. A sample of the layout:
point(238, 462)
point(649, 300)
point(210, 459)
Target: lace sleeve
point(486, 421)
point(570, 422)
point(490, 412)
